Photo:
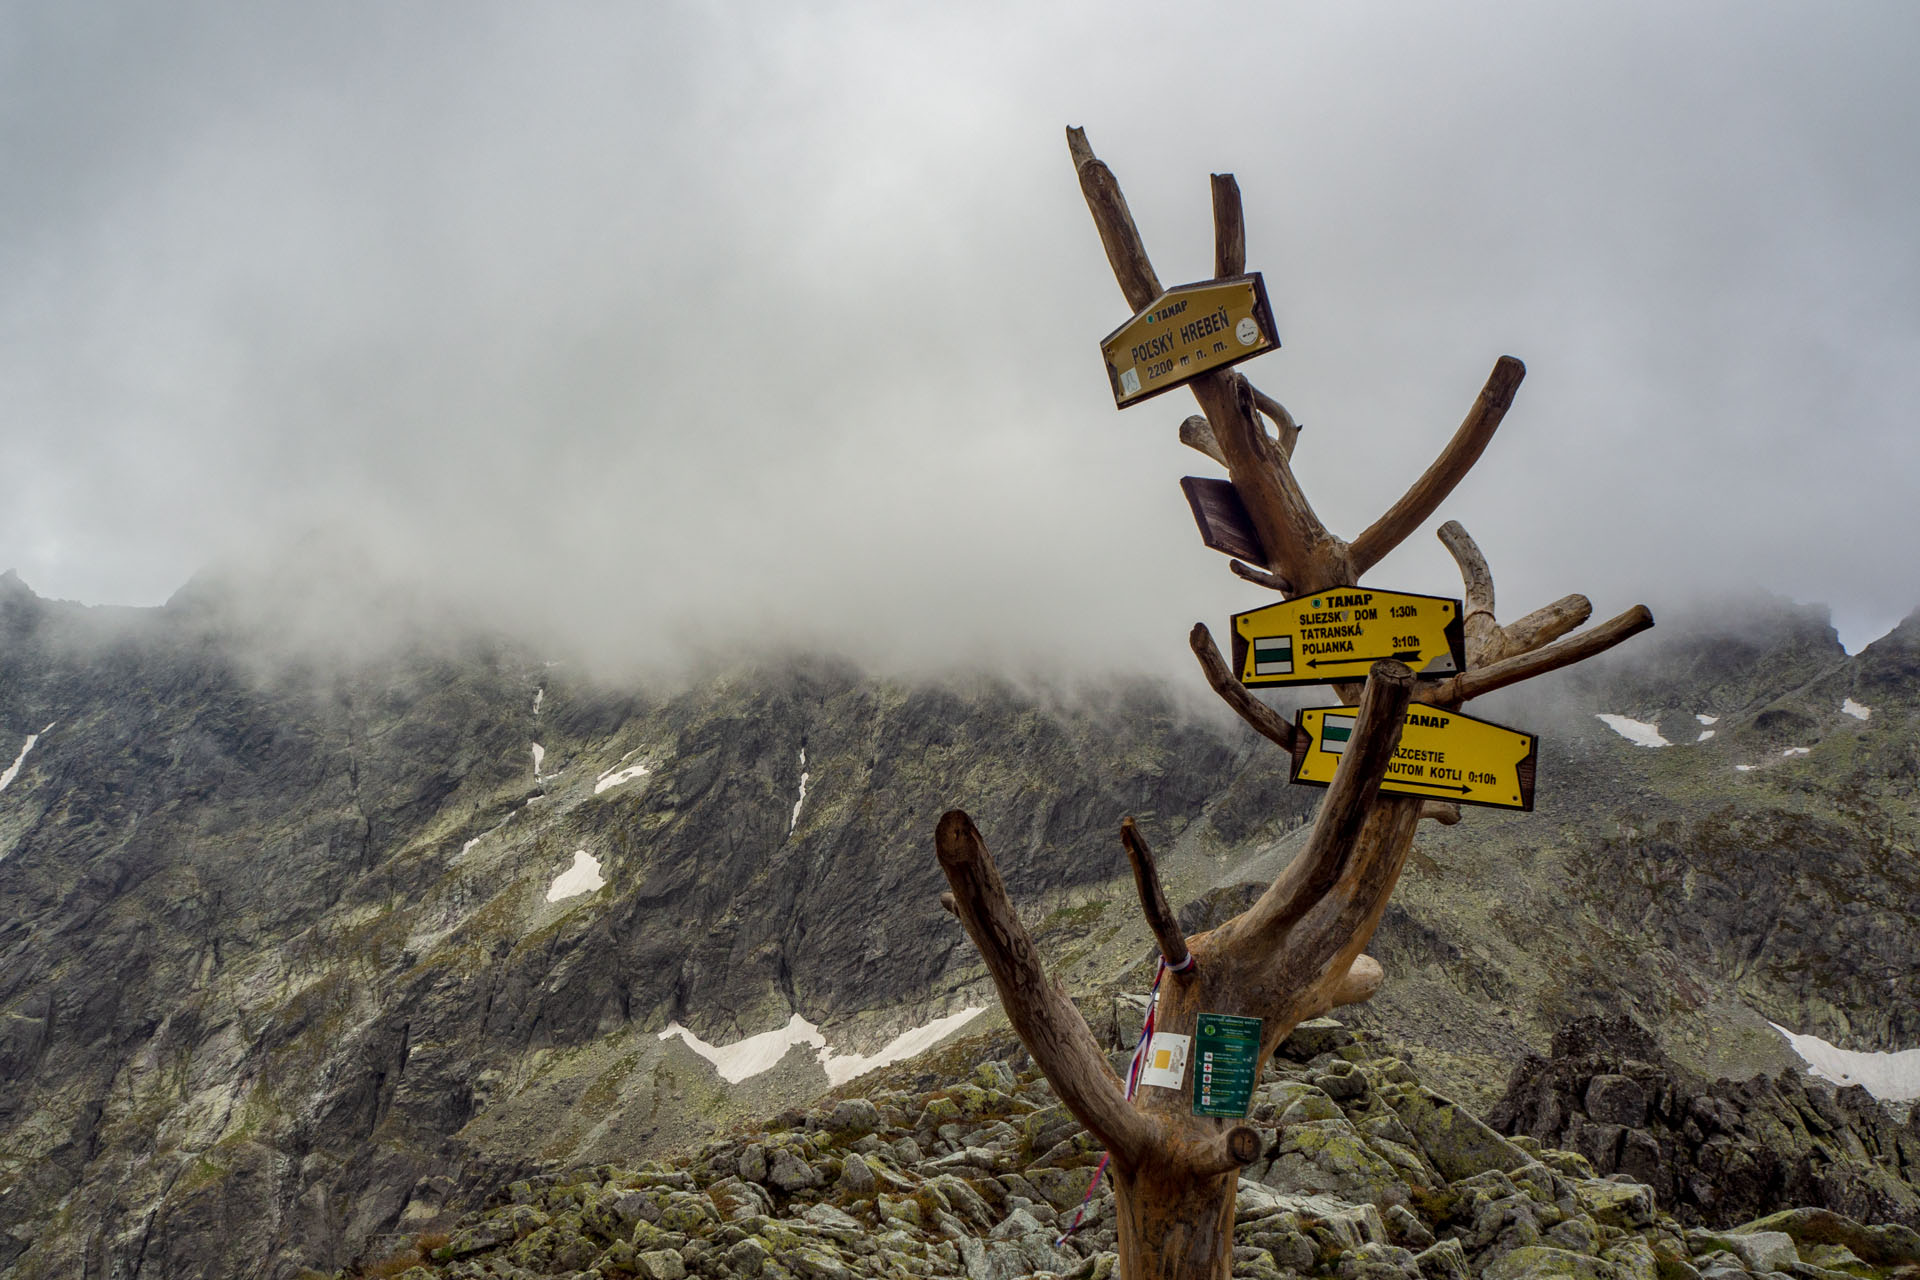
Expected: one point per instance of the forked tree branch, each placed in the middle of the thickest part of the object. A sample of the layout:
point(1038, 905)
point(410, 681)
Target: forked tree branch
point(1441, 811)
point(1197, 433)
point(1286, 430)
point(1229, 228)
point(1042, 1015)
point(1378, 720)
point(1356, 983)
point(1264, 719)
point(1329, 939)
point(1153, 902)
point(1525, 666)
point(1431, 489)
point(1548, 623)
point(1261, 577)
point(1486, 642)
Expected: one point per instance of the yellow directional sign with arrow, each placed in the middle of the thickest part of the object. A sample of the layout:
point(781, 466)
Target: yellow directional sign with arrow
point(1443, 755)
point(1188, 331)
point(1340, 634)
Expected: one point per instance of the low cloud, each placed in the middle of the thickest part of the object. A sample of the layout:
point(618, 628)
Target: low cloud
point(676, 331)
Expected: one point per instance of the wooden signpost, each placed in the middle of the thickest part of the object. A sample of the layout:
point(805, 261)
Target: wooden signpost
point(1338, 635)
point(1443, 755)
point(1188, 331)
point(1233, 992)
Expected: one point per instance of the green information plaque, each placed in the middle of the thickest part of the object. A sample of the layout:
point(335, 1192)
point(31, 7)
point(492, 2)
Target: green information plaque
point(1226, 1064)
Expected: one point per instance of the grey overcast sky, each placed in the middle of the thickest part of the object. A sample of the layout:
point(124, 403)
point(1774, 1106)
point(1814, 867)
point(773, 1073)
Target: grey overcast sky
point(672, 327)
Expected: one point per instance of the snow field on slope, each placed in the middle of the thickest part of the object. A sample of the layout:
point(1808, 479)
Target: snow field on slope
point(1638, 732)
point(13, 770)
point(616, 775)
point(1890, 1077)
point(582, 877)
point(744, 1059)
point(794, 821)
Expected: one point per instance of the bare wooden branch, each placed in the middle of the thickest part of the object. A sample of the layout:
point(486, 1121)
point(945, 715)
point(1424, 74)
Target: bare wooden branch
point(1525, 666)
point(1263, 718)
point(1233, 1150)
point(1357, 983)
point(1432, 488)
point(1287, 431)
point(1153, 902)
point(1197, 433)
point(1548, 623)
point(1379, 718)
point(1111, 217)
point(1042, 1015)
point(1229, 228)
point(1486, 642)
point(1271, 581)
point(1441, 811)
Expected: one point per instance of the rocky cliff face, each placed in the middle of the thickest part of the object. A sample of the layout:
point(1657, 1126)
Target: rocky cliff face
point(1714, 1152)
point(292, 956)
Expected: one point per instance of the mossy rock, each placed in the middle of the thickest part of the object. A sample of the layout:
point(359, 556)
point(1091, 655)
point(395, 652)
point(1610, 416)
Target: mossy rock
point(1457, 1143)
point(1328, 1156)
point(1538, 1262)
point(1886, 1245)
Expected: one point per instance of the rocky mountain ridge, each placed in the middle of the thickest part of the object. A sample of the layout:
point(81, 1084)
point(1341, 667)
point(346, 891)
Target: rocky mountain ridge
point(1714, 1151)
point(287, 955)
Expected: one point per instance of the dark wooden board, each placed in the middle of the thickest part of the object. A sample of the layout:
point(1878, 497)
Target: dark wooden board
point(1223, 520)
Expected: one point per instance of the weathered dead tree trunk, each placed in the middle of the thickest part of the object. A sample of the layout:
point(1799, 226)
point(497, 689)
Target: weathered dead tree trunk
point(1299, 951)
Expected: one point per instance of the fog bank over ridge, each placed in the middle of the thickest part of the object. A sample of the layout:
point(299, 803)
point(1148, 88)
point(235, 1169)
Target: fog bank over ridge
point(688, 331)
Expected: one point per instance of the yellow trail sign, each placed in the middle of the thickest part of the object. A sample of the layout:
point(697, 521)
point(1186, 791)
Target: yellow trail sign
point(1188, 331)
point(1340, 634)
point(1443, 755)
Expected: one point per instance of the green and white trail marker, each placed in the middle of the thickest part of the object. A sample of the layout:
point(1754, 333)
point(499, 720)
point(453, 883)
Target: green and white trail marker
point(1226, 1064)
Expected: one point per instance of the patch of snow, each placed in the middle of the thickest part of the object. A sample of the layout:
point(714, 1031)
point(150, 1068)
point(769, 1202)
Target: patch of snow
point(539, 754)
point(616, 775)
point(1706, 719)
point(13, 770)
point(1638, 732)
point(1890, 1077)
point(755, 1054)
point(539, 696)
point(1854, 709)
point(582, 877)
point(1746, 768)
point(804, 775)
point(842, 1069)
point(1704, 735)
point(746, 1058)
point(1797, 751)
point(467, 848)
